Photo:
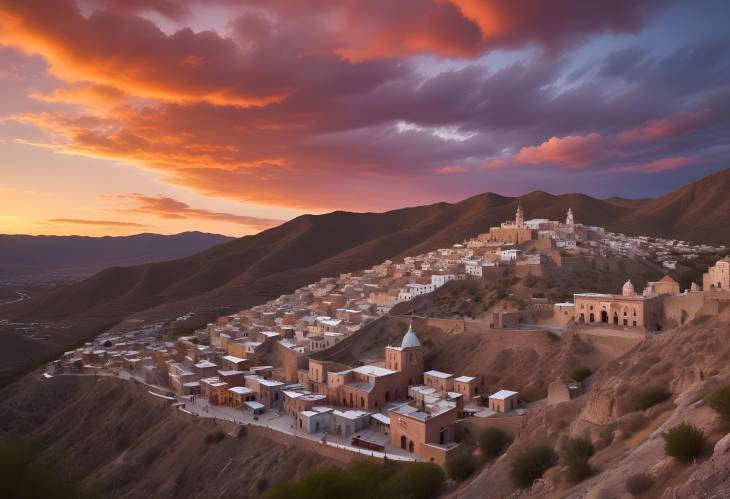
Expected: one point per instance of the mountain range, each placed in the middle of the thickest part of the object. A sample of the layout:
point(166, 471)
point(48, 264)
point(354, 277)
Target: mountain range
point(250, 270)
point(63, 258)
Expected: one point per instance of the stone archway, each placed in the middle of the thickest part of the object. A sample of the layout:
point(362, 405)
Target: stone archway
point(615, 318)
point(604, 316)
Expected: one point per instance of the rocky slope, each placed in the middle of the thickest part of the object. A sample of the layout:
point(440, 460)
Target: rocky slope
point(122, 442)
point(689, 362)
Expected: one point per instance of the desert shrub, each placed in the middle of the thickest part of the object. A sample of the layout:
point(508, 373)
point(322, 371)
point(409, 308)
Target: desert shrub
point(638, 484)
point(684, 442)
point(493, 441)
point(719, 400)
point(580, 373)
point(650, 396)
point(575, 453)
point(416, 481)
point(365, 480)
point(460, 467)
point(215, 437)
point(578, 448)
point(531, 463)
point(579, 470)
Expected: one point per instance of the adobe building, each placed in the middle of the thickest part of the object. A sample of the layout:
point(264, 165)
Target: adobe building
point(514, 232)
point(504, 401)
point(427, 430)
point(368, 387)
point(717, 277)
point(626, 309)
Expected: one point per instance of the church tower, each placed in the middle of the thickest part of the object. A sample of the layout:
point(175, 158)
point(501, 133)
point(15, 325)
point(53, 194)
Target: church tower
point(519, 217)
point(569, 219)
point(406, 358)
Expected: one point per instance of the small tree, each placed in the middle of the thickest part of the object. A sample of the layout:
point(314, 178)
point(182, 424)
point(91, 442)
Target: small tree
point(576, 452)
point(580, 373)
point(459, 468)
point(650, 397)
point(493, 441)
point(720, 402)
point(684, 442)
point(531, 463)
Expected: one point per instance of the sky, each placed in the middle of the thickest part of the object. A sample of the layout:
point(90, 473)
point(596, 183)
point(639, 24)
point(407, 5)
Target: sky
point(231, 116)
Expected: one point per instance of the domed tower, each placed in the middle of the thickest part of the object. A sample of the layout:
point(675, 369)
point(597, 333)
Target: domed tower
point(628, 289)
point(519, 217)
point(569, 219)
point(406, 358)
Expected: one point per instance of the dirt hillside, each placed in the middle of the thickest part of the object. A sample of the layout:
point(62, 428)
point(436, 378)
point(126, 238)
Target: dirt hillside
point(123, 442)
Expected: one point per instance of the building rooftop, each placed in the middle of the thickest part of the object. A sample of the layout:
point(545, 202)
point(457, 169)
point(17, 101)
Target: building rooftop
point(465, 379)
point(502, 395)
point(370, 370)
point(438, 374)
point(242, 390)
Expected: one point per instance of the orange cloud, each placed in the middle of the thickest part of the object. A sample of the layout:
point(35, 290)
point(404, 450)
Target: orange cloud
point(103, 223)
point(452, 169)
point(169, 208)
point(574, 151)
point(673, 126)
point(92, 95)
point(657, 165)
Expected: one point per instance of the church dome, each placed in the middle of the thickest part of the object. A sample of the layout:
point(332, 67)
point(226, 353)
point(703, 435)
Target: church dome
point(410, 340)
point(628, 289)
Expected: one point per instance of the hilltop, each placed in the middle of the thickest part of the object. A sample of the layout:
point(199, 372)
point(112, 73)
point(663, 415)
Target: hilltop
point(253, 269)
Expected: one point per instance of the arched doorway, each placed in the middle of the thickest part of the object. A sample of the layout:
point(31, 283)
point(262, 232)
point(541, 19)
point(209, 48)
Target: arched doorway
point(582, 318)
point(615, 318)
point(592, 318)
point(604, 316)
point(410, 446)
point(403, 442)
point(442, 436)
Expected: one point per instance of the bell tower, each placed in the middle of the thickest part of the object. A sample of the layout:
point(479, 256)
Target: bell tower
point(406, 358)
point(519, 217)
point(569, 219)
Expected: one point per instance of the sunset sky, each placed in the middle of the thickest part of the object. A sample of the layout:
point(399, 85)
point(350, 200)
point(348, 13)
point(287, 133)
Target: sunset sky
point(127, 116)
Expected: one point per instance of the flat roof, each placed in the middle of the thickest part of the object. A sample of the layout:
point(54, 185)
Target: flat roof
point(254, 405)
point(240, 390)
point(465, 379)
point(438, 374)
point(381, 417)
point(502, 394)
point(373, 370)
point(233, 358)
point(270, 382)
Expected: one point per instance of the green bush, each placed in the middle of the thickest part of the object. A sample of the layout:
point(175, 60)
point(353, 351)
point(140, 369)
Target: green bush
point(578, 448)
point(720, 401)
point(365, 480)
point(651, 396)
point(493, 442)
point(215, 437)
point(580, 373)
point(575, 453)
point(459, 468)
point(531, 463)
point(684, 442)
point(579, 470)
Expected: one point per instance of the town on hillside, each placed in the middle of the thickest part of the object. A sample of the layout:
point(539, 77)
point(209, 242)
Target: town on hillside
point(264, 366)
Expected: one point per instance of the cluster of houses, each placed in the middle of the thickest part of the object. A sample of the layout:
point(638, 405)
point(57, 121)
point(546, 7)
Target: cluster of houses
point(264, 359)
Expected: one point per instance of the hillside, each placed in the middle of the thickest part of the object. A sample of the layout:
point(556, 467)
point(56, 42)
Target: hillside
point(120, 441)
point(64, 258)
point(253, 269)
point(698, 212)
point(627, 439)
